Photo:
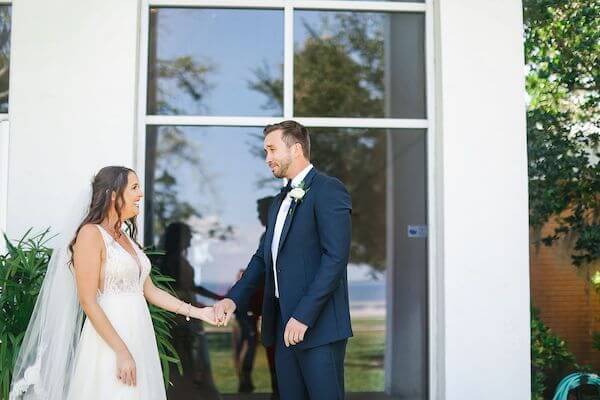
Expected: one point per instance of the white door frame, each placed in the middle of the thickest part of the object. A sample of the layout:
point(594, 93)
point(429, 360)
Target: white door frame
point(4, 142)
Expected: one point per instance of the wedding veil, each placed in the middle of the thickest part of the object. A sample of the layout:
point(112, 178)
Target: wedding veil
point(44, 366)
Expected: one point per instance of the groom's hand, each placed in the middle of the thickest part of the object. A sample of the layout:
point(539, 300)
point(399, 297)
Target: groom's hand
point(224, 311)
point(294, 332)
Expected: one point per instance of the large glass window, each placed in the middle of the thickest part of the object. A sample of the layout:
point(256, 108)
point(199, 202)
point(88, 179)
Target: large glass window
point(356, 77)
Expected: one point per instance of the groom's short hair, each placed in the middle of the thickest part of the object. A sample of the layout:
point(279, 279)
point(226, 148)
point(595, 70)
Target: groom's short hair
point(292, 133)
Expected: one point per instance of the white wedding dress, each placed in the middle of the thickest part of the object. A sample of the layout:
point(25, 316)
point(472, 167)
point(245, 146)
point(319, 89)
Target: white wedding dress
point(122, 299)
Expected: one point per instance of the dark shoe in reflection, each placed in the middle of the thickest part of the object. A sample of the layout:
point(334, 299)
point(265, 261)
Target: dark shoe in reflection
point(246, 385)
point(204, 381)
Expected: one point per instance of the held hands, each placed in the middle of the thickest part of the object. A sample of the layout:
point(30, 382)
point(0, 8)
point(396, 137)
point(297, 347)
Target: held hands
point(294, 332)
point(219, 314)
point(206, 314)
point(126, 371)
point(223, 311)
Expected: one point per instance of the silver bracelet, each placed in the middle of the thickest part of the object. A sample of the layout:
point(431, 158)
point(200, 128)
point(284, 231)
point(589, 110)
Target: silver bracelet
point(180, 304)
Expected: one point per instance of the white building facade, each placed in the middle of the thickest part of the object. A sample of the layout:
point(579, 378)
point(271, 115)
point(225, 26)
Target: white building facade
point(80, 98)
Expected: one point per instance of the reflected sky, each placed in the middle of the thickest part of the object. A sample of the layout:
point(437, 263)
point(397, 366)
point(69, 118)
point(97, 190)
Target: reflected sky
point(224, 186)
point(232, 44)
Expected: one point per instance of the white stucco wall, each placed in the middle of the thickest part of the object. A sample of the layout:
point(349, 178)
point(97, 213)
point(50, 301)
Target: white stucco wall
point(72, 102)
point(484, 232)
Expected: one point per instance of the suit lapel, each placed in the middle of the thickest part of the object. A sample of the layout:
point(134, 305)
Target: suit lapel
point(287, 224)
point(290, 215)
point(271, 227)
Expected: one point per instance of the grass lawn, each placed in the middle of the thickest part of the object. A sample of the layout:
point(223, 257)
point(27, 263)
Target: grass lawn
point(364, 359)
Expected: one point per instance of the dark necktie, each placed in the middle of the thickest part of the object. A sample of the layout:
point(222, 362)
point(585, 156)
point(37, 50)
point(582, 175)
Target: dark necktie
point(286, 189)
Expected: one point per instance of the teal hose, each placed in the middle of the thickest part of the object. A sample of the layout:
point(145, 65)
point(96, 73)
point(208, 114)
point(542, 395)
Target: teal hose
point(572, 381)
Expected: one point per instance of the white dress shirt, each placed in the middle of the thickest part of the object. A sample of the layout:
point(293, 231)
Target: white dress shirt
point(281, 215)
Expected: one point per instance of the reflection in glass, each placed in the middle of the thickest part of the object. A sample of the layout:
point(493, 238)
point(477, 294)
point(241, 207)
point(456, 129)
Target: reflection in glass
point(359, 64)
point(204, 61)
point(358, 158)
point(356, 64)
point(211, 181)
point(5, 29)
point(214, 178)
point(189, 337)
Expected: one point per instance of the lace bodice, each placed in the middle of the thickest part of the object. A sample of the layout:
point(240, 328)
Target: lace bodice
point(122, 273)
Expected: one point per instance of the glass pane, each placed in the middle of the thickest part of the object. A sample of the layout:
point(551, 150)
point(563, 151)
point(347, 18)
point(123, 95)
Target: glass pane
point(5, 28)
point(209, 61)
point(359, 64)
point(222, 205)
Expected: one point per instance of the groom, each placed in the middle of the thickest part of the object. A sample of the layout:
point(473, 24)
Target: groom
point(302, 260)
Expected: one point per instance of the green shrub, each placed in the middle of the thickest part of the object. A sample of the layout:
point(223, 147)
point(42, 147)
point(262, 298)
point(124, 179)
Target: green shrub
point(550, 358)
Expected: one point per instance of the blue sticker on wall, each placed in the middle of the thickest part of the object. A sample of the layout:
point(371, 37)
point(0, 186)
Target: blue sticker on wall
point(417, 231)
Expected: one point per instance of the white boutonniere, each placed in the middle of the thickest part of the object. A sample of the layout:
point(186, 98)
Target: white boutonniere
point(297, 194)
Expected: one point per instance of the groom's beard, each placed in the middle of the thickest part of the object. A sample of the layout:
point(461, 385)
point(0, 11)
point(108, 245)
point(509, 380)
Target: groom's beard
point(283, 169)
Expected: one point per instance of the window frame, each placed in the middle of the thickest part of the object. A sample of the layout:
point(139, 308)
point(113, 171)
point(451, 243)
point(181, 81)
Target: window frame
point(435, 360)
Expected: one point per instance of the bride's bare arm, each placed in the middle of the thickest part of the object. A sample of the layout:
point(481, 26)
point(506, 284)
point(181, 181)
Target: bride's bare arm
point(87, 257)
point(166, 301)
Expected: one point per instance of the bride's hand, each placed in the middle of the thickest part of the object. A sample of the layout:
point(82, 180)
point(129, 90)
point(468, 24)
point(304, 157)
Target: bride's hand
point(126, 372)
point(206, 314)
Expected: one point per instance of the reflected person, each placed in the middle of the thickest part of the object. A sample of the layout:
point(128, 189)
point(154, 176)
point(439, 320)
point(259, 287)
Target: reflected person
point(189, 337)
point(247, 316)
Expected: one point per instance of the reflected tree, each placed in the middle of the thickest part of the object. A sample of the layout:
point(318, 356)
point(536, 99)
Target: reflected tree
point(338, 71)
point(187, 75)
point(167, 148)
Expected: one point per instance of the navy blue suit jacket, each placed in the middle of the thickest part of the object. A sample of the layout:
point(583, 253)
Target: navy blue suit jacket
point(311, 264)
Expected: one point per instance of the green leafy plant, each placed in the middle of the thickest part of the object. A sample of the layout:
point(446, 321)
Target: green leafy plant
point(550, 357)
point(163, 321)
point(22, 271)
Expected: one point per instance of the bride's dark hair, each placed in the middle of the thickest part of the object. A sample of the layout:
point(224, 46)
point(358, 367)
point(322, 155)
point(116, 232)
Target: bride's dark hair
point(107, 180)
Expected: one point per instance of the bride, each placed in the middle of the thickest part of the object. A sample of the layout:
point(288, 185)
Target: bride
point(103, 271)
